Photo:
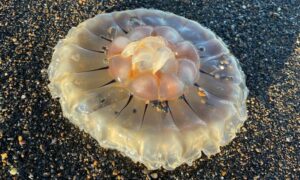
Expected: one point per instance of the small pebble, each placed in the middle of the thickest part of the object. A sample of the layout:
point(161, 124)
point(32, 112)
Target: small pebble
point(154, 175)
point(115, 172)
point(13, 171)
point(223, 173)
point(4, 156)
point(288, 139)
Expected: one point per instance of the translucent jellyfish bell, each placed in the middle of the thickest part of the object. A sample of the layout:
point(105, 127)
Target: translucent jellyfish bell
point(159, 88)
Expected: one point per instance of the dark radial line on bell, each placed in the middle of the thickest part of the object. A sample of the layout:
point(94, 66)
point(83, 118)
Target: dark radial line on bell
point(106, 38)
point(127, 103)
point(204, 72)
point(197, 85)
point(124, 30)
point(108, 83)
point(98, 69)
point(145, 110)
point(95, 51)
point(186, 101)
point(169, 108)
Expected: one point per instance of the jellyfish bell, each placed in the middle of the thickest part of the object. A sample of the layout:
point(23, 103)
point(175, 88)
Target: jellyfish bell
point(159, 88)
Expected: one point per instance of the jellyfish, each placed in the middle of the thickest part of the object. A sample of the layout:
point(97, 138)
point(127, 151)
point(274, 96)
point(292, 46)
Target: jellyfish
point(159, 88)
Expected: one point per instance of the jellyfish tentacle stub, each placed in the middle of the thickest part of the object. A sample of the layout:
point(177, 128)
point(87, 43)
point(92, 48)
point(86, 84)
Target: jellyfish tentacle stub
point(158, 87)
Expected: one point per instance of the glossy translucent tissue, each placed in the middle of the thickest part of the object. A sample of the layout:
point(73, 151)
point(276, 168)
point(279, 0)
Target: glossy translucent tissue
point(158, 87)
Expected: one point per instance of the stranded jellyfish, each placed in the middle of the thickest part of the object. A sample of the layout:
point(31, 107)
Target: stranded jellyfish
point(158, 87)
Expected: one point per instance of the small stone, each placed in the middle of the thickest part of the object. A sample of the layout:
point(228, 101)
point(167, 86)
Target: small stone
point(223, 173)
point(113, 163)
point(21, 140)
point(154, 175)
point(257, 150)
point(13, 171)
point(244, 7)
point(46, 174)
point(95, 163)
point(42, 148)
point(4, 157)
point(288, 139)
point(30, 176)
point(23, 96)
point(53, 141)
point(115, 172)
point(89, 146)
point(120, 177)
point(256, 177)
point(82, 1)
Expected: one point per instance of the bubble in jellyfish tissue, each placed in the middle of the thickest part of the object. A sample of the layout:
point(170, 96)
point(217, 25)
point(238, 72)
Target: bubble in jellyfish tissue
point(159, 88)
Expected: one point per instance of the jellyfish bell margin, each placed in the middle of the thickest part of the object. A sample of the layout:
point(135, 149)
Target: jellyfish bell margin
point(159, 88)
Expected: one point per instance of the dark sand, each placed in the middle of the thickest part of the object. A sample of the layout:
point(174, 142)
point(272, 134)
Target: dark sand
point(36, 142)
